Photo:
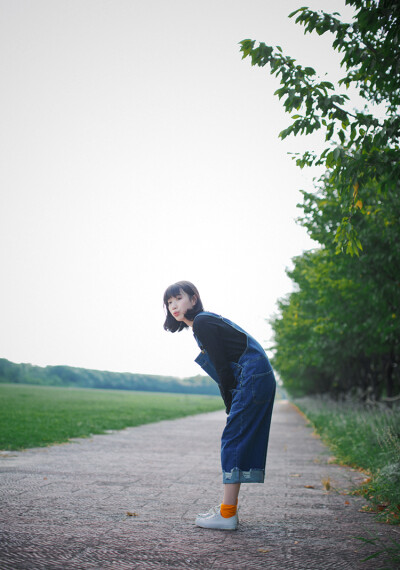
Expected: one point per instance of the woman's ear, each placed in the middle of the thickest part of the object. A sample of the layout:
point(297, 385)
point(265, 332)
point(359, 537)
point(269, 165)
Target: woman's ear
point(194, 300)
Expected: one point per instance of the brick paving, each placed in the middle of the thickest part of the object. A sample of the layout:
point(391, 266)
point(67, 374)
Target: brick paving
point(65, 506)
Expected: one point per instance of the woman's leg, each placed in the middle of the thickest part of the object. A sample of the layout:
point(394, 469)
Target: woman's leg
point(231, 493)
point(224, 517)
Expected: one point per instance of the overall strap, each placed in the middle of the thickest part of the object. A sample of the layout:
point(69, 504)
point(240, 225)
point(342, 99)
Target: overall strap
point(204, 313)
point(226, 321)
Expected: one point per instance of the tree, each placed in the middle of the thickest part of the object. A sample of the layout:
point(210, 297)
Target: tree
point(340, 330)
point(363, 150)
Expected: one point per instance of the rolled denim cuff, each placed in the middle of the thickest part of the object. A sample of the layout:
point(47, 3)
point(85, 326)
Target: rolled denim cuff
point(236, 475)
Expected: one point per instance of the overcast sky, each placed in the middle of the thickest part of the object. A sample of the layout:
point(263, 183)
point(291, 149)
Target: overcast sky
point(137, 148)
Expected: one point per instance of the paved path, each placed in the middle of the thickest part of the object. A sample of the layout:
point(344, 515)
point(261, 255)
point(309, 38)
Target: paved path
point(65, 507)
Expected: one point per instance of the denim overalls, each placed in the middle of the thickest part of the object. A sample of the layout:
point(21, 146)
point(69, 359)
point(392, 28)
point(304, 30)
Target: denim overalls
point(244, 440)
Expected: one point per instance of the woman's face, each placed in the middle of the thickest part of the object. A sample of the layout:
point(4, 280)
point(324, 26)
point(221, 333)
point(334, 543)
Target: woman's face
point(178, 305)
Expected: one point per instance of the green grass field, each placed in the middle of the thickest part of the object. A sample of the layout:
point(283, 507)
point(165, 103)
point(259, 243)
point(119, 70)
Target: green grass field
point(36, 416)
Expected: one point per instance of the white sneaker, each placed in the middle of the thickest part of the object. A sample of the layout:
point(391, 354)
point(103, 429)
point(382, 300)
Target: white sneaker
point(212, 511)
point(218, 521)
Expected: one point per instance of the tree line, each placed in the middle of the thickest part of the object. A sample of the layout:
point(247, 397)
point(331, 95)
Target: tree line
point(69, 376)
point(339, 330)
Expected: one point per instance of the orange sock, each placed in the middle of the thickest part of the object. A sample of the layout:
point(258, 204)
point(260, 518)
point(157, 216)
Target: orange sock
point(228, 511)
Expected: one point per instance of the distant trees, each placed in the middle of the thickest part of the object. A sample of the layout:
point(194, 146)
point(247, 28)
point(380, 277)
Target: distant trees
point(85, 378)
point(339, 331)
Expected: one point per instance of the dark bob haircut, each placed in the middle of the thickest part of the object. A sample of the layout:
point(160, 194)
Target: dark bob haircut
point(171, 324)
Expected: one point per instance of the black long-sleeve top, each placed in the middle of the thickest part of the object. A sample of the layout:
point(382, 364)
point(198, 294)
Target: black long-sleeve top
point(224, 344)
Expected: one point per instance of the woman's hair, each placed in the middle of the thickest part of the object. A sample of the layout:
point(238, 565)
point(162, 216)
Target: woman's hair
point(171, 324)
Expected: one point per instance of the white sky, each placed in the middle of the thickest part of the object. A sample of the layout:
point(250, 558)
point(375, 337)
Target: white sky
point(138, 149)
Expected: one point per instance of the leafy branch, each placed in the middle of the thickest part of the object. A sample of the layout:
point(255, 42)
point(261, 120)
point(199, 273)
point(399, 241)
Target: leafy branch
point(361, 147)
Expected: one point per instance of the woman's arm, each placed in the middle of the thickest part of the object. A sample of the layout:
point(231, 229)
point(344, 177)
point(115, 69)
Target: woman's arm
point(209, 330)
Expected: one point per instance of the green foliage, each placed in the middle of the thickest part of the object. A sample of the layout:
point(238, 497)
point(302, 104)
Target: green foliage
point(36, 416)
point(85, 378)
point(391, 551)
point(339, 331)
point(366, 437)
point(361, 147)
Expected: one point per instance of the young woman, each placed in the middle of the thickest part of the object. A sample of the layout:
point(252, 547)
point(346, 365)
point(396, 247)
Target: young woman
point(238, 363)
